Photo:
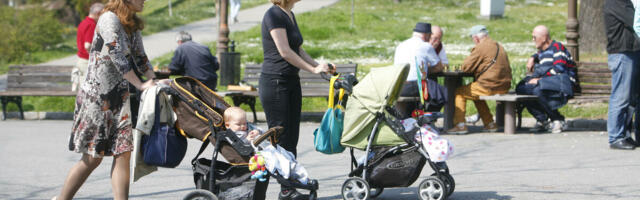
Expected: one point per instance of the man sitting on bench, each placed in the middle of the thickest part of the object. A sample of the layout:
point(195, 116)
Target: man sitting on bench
point(418, 50)
point(552, 80)
point(489, 64)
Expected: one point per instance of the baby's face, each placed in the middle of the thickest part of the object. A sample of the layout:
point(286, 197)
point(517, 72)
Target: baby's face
point(238, 123)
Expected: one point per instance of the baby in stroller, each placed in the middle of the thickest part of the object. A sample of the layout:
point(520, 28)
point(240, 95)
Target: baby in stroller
point(235, 119)
point(277, 160)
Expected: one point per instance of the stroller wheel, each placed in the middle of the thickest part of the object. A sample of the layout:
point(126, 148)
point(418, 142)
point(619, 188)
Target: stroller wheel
point(375, 192)
point(200, 194)
point(449, 182)
point(313, 195)
point(355, 188)
point(432, 188)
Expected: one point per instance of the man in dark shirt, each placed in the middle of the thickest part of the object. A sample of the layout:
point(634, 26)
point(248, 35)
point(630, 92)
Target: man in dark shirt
point(194, 60)
point(624, 62)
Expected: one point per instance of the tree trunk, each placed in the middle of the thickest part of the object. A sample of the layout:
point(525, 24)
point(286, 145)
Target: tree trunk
point(593, 38)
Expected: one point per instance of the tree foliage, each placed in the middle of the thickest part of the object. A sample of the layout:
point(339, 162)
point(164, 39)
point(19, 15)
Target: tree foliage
point(82, 6)
point(27, 30)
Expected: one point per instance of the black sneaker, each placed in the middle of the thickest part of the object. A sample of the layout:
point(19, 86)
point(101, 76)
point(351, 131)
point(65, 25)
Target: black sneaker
point(292, 195)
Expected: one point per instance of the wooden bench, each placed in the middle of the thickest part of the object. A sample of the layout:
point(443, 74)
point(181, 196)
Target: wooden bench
point(45, 80)
point(313, 85)
point(506, 109)
point(595, 81)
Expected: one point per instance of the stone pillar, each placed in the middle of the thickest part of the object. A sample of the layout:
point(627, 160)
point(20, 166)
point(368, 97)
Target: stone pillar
point(492, 9)
point(223, 36)
point(572, 31)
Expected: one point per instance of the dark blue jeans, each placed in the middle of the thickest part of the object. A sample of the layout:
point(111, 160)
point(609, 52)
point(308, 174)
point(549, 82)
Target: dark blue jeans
point(539, 109)
point(625, 68)
point(281, 98)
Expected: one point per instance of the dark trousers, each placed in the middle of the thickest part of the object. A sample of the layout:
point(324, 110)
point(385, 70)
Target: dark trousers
point(539, 109)
point(211, 84)
point(281, 98)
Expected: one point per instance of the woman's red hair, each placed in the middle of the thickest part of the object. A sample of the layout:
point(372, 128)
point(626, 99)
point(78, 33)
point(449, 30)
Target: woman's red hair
point(127, 15)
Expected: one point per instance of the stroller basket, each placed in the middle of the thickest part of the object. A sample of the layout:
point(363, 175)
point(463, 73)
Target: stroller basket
point(232, 181)
point(395, 168)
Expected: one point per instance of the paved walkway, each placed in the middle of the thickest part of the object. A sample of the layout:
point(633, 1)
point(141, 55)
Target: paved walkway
point(574, 165)
point(206, 30)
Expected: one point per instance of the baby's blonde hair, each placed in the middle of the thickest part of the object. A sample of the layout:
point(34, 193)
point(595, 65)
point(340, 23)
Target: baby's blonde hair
point(233, 111)
point(279, 2)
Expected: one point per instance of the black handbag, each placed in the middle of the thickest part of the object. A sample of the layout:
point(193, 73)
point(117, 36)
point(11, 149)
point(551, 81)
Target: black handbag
point(164, 147)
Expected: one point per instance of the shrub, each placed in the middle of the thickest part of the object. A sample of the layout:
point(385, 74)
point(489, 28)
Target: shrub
point(27, 30)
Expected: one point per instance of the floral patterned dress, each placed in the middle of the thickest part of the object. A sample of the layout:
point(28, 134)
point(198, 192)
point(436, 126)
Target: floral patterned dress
point(102, 117)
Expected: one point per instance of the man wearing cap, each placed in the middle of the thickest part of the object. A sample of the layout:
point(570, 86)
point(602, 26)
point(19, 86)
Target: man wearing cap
point(417, 50)
point(194, 60)
point(490, 65)
point(552, 80)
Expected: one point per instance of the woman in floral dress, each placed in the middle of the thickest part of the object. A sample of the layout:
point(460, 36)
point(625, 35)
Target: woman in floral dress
point(102, 119)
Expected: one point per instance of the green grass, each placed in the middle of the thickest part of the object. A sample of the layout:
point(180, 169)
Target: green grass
point(156, 18)
point(156, 13)
point(380, 25)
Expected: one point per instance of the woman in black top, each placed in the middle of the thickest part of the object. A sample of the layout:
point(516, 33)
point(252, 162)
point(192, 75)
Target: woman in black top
point(279, 83)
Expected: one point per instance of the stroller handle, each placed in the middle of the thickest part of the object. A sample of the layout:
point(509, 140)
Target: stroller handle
point(327, 75)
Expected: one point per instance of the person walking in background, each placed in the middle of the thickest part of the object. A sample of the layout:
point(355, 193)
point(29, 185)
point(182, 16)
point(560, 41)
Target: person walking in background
point(234, 9)
point(102, 118)
point(490, 65)
point(194, 60)
point(623, 47)
point(84, 37)
point(553, 80)
point(279, 82)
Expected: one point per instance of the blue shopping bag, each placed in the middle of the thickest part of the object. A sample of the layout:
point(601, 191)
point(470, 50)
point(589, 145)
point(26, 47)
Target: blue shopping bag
point(327, 136)
point(164, 146)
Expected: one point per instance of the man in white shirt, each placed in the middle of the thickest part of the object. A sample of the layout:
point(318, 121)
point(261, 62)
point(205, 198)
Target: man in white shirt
point(418, 51)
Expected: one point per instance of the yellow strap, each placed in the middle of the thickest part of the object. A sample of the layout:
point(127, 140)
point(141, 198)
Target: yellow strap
point(331, 91)
point(340, 95)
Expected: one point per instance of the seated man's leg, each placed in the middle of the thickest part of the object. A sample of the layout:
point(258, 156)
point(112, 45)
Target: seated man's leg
point(212, 84)
point(481, 105)
point(409, 89)
point(462, 94)
point(534, 107)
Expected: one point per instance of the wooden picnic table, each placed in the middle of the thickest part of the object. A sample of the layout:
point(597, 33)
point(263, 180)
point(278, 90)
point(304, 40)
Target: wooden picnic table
point(452, 80)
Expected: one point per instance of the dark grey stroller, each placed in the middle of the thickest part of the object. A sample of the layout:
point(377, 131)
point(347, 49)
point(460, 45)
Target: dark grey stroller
point(199, 112)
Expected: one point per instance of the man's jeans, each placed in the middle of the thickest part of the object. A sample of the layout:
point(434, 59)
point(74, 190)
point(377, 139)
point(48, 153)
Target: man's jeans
point(624, 93)
point(539, 109)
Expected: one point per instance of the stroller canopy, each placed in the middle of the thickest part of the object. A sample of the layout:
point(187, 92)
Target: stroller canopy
point(378, 89)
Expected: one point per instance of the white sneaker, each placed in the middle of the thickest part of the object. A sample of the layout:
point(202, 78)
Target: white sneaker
point(473, 119)
point(540, 127)
point(557, 126)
